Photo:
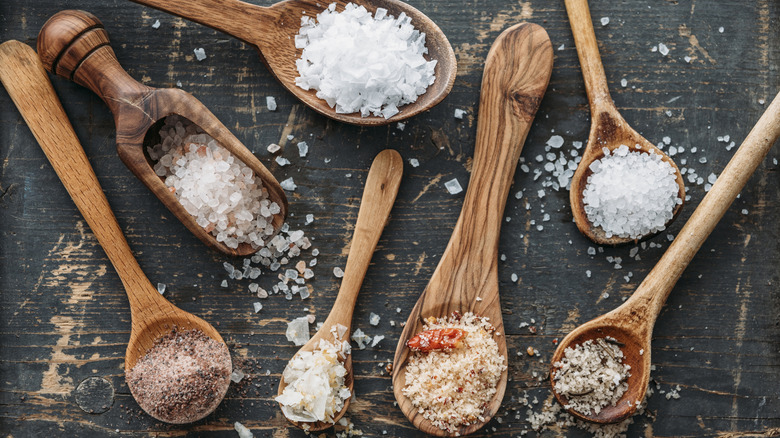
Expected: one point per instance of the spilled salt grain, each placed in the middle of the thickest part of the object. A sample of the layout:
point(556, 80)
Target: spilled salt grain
point(453, 186)
point(270, 102)
point(624, 83)
point(258, 306)
point(604, 21)
point(298, 331)
point(662, 49)
point(459, 113)
point(273, 148)
point(288, 185)
point(556, 141)
point(281, 161)
point(161, 288)
point(200, 54)
point(237, 376)
point(373, 319)
point(156, 24)
point(338, 272)
point(414, 162)
point(243, 432)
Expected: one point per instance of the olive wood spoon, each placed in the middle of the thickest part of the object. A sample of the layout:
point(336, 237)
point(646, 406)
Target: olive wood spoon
point(271, 30)
point(632, 323)
point(608, 129)
point(152, 315)
point(517, 71)
point(384, 179)
point(74, 45)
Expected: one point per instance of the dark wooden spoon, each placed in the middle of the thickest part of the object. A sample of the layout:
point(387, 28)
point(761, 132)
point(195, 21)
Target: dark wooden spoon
point(632, 323)
point(74, 45)
point(272, 31)
point(517, 71)
point(608, 129)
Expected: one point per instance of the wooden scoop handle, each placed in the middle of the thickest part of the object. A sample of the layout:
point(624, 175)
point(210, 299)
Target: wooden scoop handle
point(28, 85)
point(74, 44)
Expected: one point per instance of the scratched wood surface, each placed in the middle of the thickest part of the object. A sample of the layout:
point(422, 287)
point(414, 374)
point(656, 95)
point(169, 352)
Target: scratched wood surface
point(64, 317)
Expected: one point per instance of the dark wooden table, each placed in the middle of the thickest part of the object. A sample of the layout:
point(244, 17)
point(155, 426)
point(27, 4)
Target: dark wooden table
point(64, 316)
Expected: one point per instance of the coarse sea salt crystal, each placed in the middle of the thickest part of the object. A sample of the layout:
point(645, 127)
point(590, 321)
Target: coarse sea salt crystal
point(414, 162)
point(459, 113)
point(624, 83)
point(156, 24)
point(604, 21)
point(200, 54)
point(360, 338)
point(270, 102)
point(687, 59)
point(281, 161)
point(309, 219)
point(373, 319)
point(303, 149)
point(662, 49)
point(338, 272)
point(376, 340)
point(288, 185)
point(243, 432)
point(453, 186)
point(400, 126)
point(273, 148)
point(298, 331)
point(161, 288)
point(258, 306)
point(237, 375)
point(556, 141)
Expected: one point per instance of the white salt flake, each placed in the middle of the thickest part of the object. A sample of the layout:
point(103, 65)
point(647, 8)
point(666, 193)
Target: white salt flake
point(237, 375)
point(459, 113)
point(662, 49)
point(288, 185)
point(624, 82)
point(156, 24)
point(604, 21)
point(338, 272)
point(270, 103)
point(243, 432)
point(200, 54)
point(161, 288)
point(556, 141)
point(414, 162)
point(373, 319)
point(453, 186)
point(303, 149)
point(258, 306)
point(273, 148)
point(298, 331)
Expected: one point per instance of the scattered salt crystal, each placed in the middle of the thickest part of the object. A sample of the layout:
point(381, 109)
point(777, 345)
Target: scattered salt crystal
point(720, 29)
point(662, 49)
point(513, 277)
point(156, 24)
point(376, 340)
point(224, 283)
point(258, 306)
point(561, 47)
point(588, 273)
point(298, 331)
point(373, 319)
point(200, 54)
point(744, 211)
point(243, 432)
point(338, 272)
point(667, 140)
point(414, 162)
point(687, 58)
point(303, 149)
point(237, 375)
point(453, 186)
point(161, 288)
point(178, 84)
point(288, 185)
point(290, 137)
point(459, 113)
point(273, 148)
point(712, 178)
point(270, 102)
point(624, 83)
point(360, 338)
point(604, 21)
point(400, 126)
point(556, 141)
point(281, 161)
point(309, 219)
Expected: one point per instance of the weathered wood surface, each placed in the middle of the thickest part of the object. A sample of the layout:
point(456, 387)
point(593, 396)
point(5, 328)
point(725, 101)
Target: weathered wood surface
point(64, 317)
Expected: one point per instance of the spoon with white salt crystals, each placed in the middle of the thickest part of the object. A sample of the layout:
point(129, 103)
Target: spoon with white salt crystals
point(233, 204)
point(625, 188)
point(370, 65)
point(316, 399)
point(630, 326)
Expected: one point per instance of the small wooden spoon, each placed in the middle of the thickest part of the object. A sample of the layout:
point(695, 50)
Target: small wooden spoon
point(516, 74)
point(632, 323)
point(74, 45)
point(272, 31)
point(152, 315)
point(384, 179)
point(608, 129)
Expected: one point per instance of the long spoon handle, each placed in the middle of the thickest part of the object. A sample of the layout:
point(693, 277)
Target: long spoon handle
point(384, 179)
point(233, 17)
point(28, 85)
point(659, 282)
point(74, 44)
point(588, 52)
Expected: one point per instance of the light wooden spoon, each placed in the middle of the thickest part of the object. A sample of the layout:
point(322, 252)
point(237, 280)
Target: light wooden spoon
point(74, 45)
point(517, 71)
point(152, 315)
point(272, 31)
point(632, 323)
point(384, 179)
point(608, 129)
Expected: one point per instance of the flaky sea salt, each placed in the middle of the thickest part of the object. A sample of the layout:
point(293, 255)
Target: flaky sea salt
point(298, 331)
point(270, 102)
point(222, 193)
point(555, 142)
point(243, 432)
point(156, 24)
point(453, 186)
point(288, 185)
point(662, 49)
point(459, 113)
point(604, 21)
point(200, 54)
point(258, 306)
point(414, 162)
point(373, 319)
point(273, 148)
point(303, 149)
point(359, 62)
point(161, 288)
point(630, 194)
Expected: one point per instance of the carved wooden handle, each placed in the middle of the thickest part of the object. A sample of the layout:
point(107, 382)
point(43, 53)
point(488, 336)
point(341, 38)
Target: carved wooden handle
point(73, 44)
point(28, 85)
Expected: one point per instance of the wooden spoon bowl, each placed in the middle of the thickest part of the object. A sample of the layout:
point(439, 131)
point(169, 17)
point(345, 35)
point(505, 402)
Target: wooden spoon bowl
point(272, 31)
point(382, 184)
point(517, 71)
point(153, 316)
point(608, 129)
point(74, 45)
point(632, 323)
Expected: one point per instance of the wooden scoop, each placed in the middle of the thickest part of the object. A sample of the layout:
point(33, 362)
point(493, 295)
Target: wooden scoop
point(74, 45)
point(516, 74)
point(608, 129)
point(152, 315)
point(384, 179)
point(632, 323)
point(272, 31)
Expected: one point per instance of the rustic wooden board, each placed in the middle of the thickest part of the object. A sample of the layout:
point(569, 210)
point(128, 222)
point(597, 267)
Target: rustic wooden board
point(64, 316)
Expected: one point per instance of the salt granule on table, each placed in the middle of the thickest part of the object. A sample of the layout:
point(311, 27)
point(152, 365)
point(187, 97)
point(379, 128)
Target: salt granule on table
point(298, 331)
point(362, 63)
point(270, 102)
point(200, 54)
point(604, 21)
point(459, 113)
point(288, 185)
point(303, 149)
point(414, 162)
point(243, 432)
point(156, 24)
point(373, 319)
point(453, 186)
point(663, 49)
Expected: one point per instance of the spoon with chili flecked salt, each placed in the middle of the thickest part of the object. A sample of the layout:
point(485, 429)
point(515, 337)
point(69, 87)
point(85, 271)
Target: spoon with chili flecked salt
point(153, 316)
point(272, 31)
point(608, 129)
point(632, 323)
point(382, 183)
point(517, 71)
point(74, 45)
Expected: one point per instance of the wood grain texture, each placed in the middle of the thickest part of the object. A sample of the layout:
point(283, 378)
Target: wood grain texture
point(517, 71)
point(272, 31)
point(75, 45)
point(64, 316)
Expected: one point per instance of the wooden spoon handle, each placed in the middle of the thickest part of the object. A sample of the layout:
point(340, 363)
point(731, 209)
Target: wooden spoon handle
point(384, 179)
point(659, 282)
point(588, 52)
point(233, 17)
point(28, 85)
point(73, 44)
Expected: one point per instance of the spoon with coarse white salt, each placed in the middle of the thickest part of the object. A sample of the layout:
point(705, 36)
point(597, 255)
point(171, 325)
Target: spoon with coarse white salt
point(631, 325)
point(636, 190)
point(273, 29)
point(303, 402)
point(517, 71)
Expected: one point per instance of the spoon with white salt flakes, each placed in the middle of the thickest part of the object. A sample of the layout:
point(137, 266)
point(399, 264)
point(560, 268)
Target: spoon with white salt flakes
point(631, 324)
point(608, 130)
point(382, 183)
point(272, 31)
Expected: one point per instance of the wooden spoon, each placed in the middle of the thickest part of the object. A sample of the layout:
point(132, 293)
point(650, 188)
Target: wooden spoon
point(74, 45)
point(152, 315)
point(272, 31)
point(516, 74)
point(632, 323)
point(384, 179)
point(608, 129)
